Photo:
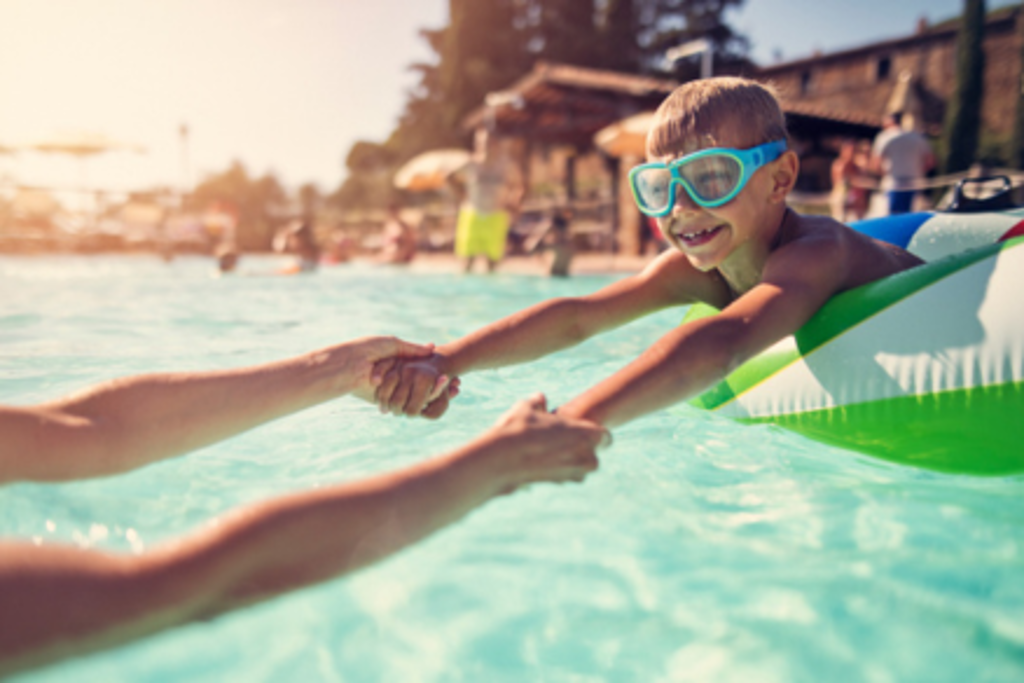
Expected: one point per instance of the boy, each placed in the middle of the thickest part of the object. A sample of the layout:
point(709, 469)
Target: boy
point(717, 179)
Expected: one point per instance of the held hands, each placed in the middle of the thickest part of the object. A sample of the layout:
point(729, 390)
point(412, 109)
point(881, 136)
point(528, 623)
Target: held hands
point(356, 362)
point(529, 444)
point(414, 387)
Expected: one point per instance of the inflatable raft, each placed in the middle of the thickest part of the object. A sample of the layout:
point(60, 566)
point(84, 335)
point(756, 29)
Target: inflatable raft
point(925, 367)
point(933, 235)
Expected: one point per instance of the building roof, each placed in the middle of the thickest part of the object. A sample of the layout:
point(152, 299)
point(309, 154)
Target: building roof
point(941, 31)
point(564, 104)
point(828, 108)
point(866, 103)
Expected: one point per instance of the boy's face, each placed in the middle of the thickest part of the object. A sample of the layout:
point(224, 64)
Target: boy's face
point(709, 236)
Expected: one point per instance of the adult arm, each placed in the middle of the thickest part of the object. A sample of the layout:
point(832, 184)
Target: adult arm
point(544, 328)
point(62, 601)
point(129, 422)
point(797, 281)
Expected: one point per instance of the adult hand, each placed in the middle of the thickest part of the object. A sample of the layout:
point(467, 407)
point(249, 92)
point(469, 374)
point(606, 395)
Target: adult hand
point(528, 444)
point(358, 372)
point(439, 406)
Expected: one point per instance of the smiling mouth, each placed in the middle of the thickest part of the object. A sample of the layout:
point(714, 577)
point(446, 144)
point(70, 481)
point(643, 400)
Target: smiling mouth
point(699, 237)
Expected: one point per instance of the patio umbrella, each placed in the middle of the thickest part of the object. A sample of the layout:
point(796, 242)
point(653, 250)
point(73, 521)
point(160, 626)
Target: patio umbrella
point(627, 136)
point(82, 144)
point(430, 170)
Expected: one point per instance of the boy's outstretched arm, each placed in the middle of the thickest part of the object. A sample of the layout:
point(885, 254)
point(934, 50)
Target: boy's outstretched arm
point(544, 328)
point(128, 422)
point(797, 281)
point(61, 601)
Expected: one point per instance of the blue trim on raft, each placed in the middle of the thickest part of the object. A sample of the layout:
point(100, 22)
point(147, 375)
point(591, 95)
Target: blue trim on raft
point(896, 230)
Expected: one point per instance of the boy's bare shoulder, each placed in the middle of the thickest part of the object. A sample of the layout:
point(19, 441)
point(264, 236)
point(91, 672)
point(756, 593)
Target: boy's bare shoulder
point(811, 226)
point(862, 258)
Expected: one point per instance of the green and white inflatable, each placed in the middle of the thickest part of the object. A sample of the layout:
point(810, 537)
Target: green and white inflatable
point(925, 367)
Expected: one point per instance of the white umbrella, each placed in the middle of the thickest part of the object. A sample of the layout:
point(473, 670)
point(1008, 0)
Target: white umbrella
point(430, 170)
point(83, 144)
point(627, 136)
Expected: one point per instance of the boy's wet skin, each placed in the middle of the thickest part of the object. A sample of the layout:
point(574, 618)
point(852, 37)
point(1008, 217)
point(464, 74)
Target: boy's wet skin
point(737, 237)
point(767, 267)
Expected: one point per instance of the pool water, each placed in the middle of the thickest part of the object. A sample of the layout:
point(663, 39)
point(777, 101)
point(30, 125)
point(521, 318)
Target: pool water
point(701, 550)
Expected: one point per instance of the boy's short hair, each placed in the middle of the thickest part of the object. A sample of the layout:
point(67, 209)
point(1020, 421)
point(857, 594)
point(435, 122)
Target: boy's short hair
point(702, 110)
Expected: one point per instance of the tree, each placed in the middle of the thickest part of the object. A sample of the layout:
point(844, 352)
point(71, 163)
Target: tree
point(489, 44)
point(1016, 151)
point(618, 30)
point(484, 48)
point(369, 180)
point(310, 199)
point(566, 31)
point(663, 24)
point(260, 203)
point(963, 114)
point(481, 50)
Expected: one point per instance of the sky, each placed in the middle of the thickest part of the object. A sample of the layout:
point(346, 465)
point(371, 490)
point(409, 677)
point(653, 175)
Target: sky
point(284, 86)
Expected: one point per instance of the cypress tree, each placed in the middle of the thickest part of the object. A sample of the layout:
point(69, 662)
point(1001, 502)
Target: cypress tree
point(1016, 151)
point(963, 113)
point(568, 32)
point(488, 44)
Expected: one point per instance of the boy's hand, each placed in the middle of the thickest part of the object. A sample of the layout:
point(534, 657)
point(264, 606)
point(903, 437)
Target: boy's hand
point(529, 444)
point(439, 406)
point(413, 387)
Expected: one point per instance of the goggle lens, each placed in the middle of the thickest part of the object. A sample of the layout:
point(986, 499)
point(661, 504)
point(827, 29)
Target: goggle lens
point(654, 188)
point(712, 177)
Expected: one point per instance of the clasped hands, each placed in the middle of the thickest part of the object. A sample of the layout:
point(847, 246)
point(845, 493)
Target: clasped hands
point(413, 386)
point(418, 386)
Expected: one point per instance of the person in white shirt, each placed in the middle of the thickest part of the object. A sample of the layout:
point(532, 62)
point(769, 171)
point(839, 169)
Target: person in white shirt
point(902, 158)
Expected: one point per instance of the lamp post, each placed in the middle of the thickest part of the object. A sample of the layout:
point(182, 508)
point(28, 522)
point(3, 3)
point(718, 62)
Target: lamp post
point(501, 98)
point(185, 171)
point(700, 46)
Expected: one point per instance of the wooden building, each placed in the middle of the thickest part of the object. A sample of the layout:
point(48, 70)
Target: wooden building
point(548, 120)
point(549, 117)
point(915, 74)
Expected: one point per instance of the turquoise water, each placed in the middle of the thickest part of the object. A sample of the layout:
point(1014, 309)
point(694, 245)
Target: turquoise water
point(702, 550)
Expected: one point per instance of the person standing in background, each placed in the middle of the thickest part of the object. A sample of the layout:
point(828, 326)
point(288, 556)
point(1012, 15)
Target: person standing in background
point(902, 158)
point(490, 191)
point(849, 200)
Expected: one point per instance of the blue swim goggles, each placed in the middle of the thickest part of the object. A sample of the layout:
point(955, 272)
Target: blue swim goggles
point(712, 177)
